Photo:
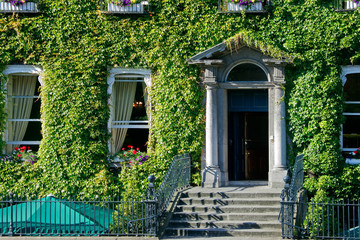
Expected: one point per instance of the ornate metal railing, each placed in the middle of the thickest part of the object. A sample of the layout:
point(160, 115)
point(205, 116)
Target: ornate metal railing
point(260, 6)
point(346, 5)
point(113, 216)
point(293, 184)
point(178, 176)
point(28, 7)
point(141, 7)
point(326, 219)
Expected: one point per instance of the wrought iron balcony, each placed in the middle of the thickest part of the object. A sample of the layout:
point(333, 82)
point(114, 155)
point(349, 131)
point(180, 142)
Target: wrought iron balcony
point(28, 7)
point(347, 5)
point(227, 6)
point(136, 8)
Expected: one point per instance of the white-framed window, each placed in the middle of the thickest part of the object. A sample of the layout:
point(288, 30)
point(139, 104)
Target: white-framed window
point(23, 126)
point(129, 108)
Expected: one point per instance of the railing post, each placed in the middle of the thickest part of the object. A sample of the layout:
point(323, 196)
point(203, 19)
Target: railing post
point(151, 187)
point(11, 227)
point(151, 208)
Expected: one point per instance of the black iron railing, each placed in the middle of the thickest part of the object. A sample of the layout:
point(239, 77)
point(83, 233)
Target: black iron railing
point(113, 216)
point(326, 219)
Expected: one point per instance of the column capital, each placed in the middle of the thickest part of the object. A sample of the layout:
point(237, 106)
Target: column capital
point(211, 85)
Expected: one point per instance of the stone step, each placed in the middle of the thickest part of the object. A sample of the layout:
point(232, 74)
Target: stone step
point(226, 216)
point(225, 195)
point(213, 232)
point(271, 225)
point(230, 201)
point(227, 209)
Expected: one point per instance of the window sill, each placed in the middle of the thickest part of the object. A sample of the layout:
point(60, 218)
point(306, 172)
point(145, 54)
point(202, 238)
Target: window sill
point(352, 161)
point(28, 7)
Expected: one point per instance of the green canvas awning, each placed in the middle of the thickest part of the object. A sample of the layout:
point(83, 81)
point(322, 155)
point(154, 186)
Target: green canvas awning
point(53, 215)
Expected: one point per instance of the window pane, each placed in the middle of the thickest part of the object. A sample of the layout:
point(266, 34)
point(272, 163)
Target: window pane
point(352, 108)
point(247, 72)
point(31, 131)
point(352, 87)
point(351, 132)
point(139, 109)
point(137, 138)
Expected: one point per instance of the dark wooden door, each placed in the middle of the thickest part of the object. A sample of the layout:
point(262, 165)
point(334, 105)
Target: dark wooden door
point(256, 146)
point(248, 146)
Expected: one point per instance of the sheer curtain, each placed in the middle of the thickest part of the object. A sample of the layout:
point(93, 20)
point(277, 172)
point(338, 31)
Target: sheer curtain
point(122, 100)
point(19, 107)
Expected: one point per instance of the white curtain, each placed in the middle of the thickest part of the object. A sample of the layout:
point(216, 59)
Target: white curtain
point(19, 108)
point(123, 96)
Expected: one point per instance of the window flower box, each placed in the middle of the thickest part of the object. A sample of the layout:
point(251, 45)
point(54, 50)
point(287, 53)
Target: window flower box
point(242, 5)
point(136, 8)
point(350, 5)
point(25, 7)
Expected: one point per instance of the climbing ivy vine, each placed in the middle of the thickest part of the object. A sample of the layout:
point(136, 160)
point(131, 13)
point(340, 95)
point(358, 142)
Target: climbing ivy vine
point(76, 44)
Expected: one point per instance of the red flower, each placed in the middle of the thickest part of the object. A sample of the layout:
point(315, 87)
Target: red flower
point(19, 155)
point(21, 150)
point(359, 148)
point(129, 146)
point(137, 149)
point(16, 148)
point(134, 151)
point(123, 149)
point(28, 148)
point(355, 152)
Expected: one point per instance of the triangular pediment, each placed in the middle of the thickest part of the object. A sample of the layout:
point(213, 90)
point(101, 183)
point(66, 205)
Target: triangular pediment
point(234, 45)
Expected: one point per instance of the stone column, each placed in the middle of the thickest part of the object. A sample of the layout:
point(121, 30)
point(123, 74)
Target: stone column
point(278, 167)
point(279, 130)
point(211, 173)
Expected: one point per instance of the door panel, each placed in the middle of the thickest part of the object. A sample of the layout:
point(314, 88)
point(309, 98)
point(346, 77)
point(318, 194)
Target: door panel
point(236, 146)
point(256, 146)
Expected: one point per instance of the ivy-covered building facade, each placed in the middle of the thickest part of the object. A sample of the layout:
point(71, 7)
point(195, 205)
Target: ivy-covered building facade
point(244, 87)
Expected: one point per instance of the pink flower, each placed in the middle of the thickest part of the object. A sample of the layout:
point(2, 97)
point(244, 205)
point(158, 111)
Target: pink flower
point(123, 149)
point(19, 155)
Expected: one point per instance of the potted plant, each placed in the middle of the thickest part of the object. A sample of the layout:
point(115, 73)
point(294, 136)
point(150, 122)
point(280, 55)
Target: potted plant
point(18, 5)
point(352, 4)
point(126, 6)
point(241, 5)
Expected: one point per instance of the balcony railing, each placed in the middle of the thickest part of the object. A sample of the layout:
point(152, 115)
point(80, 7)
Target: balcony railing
point(137, 8)
point(347, 5)
point(28, 7)
point(226, 6)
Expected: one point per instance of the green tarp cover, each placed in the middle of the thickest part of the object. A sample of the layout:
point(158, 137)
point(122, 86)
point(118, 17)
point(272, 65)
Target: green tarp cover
point(51, 215)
